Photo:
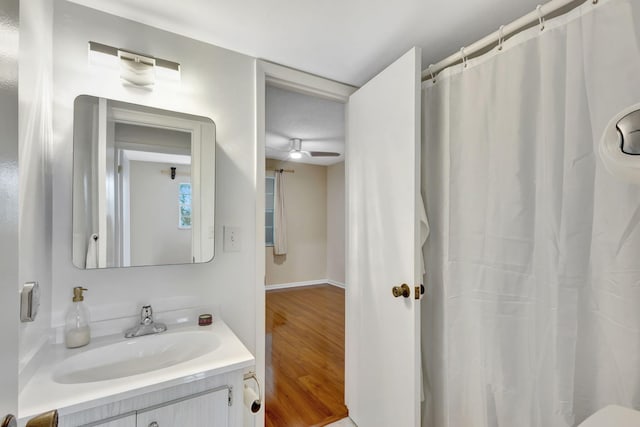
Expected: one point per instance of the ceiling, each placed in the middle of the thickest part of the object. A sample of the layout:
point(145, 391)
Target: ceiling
point(318, 122)
point(349, 41)
point(345, 40)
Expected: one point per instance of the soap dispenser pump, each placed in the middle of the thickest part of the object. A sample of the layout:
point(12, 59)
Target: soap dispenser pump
point(76, 331)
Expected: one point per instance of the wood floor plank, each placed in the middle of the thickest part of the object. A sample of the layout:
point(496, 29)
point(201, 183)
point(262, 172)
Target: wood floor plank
point(305, 356)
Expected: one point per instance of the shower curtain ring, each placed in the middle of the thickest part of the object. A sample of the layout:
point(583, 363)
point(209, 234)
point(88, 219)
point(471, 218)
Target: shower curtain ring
point(540, 17)
point(500, 37)
point(433, 77)
point(464, 57)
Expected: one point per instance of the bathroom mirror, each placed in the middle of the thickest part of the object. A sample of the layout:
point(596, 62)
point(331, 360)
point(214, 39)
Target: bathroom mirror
point(143, 185)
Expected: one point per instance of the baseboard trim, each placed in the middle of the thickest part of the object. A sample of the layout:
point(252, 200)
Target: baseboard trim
point(296, 284)
point(305, 283)
point(335, 283)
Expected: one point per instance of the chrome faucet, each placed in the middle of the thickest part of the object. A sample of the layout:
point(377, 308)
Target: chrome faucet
point(147, 326)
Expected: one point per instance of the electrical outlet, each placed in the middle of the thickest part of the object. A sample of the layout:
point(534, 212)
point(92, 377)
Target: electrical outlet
point(232, 239)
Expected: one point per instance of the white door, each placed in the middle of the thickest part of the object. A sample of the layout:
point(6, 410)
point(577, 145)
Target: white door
point(382, 179)
point(9, 209)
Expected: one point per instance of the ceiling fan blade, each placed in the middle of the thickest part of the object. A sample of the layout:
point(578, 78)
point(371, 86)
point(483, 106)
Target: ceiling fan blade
point(323, 154)
point(337, 139)
point(276, 149)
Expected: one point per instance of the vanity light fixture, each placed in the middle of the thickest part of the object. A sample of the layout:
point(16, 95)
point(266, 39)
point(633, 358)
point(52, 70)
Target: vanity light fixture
point(136, 69)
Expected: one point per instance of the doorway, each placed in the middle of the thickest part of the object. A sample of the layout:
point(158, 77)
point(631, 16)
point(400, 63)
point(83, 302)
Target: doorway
point(279, 76)
point(304, 259)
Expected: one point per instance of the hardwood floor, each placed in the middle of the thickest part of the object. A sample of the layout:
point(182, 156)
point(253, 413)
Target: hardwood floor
point(305, 356)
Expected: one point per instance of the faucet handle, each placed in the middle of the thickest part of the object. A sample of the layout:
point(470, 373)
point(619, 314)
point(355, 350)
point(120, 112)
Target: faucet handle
point(146, 315)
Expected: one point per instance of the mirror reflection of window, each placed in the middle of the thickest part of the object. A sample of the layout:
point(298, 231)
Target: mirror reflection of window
point(184, 206)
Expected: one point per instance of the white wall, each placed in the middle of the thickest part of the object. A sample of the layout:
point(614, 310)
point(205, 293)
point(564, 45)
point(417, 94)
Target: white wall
point(155, 236)
point(216, 83)
point(9, 206)
point(316, 226)
point(35, 121)
point(335, 223)
point(306, 213)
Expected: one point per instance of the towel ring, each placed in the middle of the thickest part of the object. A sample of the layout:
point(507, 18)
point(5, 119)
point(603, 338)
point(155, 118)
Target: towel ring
point(540, 17)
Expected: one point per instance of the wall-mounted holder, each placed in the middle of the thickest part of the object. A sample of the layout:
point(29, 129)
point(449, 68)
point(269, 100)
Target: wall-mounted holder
point(251, 400)
point(620, 145)
point(29, 301)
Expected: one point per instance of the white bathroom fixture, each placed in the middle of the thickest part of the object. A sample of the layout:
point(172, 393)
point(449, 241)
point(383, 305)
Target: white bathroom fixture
point(135, 356)
point(613, 415)
point(111, 369)
point(147, 325)
point(136, 69)
point(620, 145)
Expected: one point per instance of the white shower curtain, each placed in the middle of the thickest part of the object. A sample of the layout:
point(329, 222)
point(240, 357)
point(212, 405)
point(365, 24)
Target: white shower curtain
point(532, 312)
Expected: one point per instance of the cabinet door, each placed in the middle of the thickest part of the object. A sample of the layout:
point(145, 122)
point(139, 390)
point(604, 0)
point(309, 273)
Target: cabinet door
point(208, 410)
point(129, 421)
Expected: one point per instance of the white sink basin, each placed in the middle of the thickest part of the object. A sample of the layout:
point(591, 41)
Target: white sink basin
point(135, 356)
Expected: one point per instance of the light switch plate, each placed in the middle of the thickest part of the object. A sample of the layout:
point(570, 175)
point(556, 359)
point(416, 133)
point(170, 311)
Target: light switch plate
point(29, 301)
point(232, 239)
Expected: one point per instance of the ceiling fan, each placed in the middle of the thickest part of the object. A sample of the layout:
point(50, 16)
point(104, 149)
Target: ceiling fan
point(296, 151)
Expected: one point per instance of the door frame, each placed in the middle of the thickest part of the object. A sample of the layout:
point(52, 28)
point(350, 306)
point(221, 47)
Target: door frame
point(307, 84)
point(198, 132)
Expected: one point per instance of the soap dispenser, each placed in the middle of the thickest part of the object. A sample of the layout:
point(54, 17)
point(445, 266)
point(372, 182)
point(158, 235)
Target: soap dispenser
point(76, 331)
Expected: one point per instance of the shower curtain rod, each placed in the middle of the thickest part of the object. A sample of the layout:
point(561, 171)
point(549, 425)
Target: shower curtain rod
point(504, 31)
point(285, 170)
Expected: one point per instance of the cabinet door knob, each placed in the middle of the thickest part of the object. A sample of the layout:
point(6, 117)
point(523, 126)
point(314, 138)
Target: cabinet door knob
point(154, 424)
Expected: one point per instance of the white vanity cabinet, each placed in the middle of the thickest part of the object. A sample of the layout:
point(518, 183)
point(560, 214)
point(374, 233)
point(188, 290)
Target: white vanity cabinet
point(210, 402)
point(129, 421)
point(201, 391)
point(207, 410)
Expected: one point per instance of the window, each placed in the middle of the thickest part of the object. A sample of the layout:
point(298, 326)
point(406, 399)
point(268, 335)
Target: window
point(184, 205)
point(269, 192)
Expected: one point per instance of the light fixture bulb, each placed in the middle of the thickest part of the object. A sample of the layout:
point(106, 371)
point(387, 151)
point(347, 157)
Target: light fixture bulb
point(137, 70)
point(295, 155)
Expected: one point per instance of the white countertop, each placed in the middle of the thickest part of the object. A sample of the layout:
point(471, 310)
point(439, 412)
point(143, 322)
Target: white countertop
point(43, 394)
